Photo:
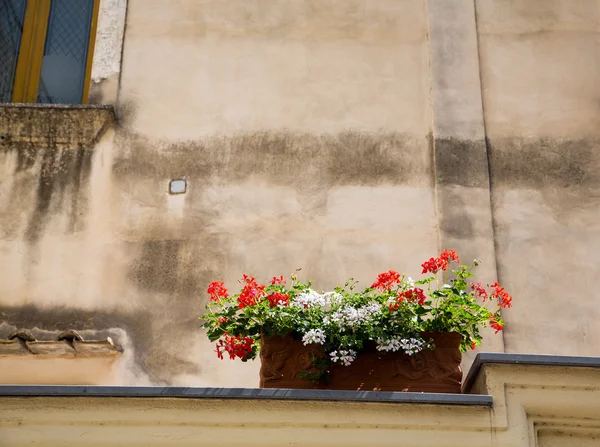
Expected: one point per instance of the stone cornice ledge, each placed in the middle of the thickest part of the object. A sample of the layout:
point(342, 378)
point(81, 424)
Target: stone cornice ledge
point(53, 125)
point(539, 401)
point(492, 358)
point(246, 393)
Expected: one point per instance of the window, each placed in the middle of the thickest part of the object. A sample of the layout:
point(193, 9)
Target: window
point(46, 49)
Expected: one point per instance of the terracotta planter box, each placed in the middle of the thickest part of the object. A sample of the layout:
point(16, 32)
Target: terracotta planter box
point(430, 371)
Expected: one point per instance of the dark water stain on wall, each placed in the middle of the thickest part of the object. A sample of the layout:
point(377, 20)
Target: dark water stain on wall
point(53, 146)
point(26, 157)
point(281, 158)
point(173, 267)
point(171, 276)
point(565, 172)
point(167, 255)
point(455, 222)
point(459, 164)
point(63, 173)
point(80, 175)
point(539, 163)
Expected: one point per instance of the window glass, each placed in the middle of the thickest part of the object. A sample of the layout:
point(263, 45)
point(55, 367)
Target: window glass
point(12, 14)
point(65, 52)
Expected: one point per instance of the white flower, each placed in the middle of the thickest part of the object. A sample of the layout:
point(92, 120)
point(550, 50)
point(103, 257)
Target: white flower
point(372, 308)
point(311, 298)
point(345, 357)
point(308, 298)
point(351, 317)
point(446, 286)
point(346, 317)
point(391, 344)
point(314, 336)
point(411, 282)
point(409, 345)
point(332, 298)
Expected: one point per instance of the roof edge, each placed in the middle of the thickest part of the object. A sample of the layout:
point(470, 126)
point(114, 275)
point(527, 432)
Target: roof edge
point(244, 393)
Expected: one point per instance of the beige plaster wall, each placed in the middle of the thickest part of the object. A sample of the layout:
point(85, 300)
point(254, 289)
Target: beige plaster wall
point(302, 130)
point(210, 67)
point(540, 65)
point(343, 138)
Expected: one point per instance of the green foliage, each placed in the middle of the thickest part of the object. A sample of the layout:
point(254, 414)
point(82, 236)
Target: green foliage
point(391, 314)
point(318, 372)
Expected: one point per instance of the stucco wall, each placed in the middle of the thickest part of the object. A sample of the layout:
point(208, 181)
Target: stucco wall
point(303, 131)
point(343, 138)
point(540, 67)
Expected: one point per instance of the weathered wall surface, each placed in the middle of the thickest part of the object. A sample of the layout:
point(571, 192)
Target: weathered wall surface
point(302, 129)
point(343, 138)
point(460, 156)
point(540, 65)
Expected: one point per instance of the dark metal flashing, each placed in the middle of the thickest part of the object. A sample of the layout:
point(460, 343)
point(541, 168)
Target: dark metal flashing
point(245, 393)
point(494, 358)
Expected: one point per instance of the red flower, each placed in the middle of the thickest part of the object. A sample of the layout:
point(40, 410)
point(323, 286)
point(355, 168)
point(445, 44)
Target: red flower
point(415, 295)
point(248, 279)
point(433, 265)
point(278, 280)
point(479, 290)
point(494, 324)
point(450, 255)
point(394, 306)
point(385, 281)
point(473, 346)
point(251, 293)
point(217, 291)
point(222, 320)
point(235, 346)
point(278, 299)
point(505, 300)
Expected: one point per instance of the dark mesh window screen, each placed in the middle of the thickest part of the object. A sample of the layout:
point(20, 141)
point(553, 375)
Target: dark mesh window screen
point(65, 52)
point(12, 13)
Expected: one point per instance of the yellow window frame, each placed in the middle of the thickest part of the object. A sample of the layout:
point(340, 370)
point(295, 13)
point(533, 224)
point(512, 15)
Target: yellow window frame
point(31, 51)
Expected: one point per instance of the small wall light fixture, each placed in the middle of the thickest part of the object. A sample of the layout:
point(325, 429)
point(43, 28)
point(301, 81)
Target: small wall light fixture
point(178, 186)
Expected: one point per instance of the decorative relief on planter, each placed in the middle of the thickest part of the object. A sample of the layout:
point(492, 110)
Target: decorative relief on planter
point(284, 359)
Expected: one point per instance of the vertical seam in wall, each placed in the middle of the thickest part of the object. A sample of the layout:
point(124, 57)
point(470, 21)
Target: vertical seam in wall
point(118, 101)
point(487, 154)
point(431, 136)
